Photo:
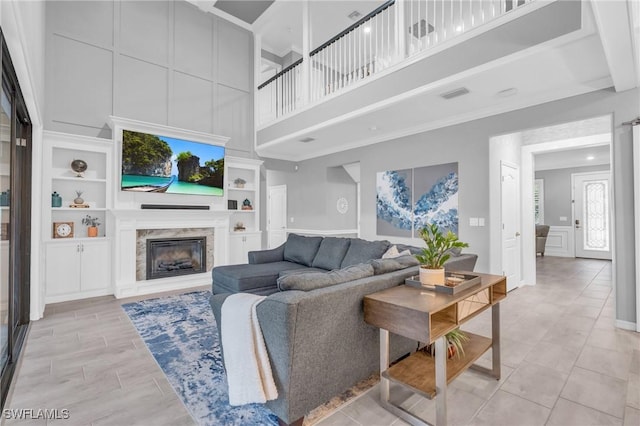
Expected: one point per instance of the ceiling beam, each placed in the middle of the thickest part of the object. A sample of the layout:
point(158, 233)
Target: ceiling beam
point(613, 21)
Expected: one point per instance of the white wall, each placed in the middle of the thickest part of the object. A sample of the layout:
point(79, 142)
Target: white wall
point(164, 62)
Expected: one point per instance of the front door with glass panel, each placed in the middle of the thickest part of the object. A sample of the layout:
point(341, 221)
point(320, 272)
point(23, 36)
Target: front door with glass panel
point(591, 219)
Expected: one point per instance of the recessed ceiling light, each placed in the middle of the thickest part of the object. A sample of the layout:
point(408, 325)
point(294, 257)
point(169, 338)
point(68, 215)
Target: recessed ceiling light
point(591, 157)
point(354, 15)
point(507, 92)
point(367, 30)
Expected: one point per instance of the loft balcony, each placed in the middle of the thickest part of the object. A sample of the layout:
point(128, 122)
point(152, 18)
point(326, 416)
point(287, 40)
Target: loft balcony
point(413, 65)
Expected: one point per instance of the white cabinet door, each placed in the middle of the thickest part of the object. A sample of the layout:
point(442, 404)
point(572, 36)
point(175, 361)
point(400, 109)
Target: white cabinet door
point(237, 254)
point(95, 267)
point(252, 242)
point(241, 245)
point(63, 268)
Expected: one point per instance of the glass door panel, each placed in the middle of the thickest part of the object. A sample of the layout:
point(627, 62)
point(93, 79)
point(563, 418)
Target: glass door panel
point(5, 222)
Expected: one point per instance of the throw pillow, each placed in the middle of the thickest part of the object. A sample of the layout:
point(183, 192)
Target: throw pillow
point(362, 251)
point(331, 253)
point(302, 250)
point(315, 280)
point(391, 253)
point(383, 266)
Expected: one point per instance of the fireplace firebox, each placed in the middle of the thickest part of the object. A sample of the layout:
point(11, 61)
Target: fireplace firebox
point(169, 257)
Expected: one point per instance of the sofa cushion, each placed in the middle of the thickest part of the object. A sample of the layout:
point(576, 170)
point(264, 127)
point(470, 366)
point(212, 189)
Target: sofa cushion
point(247, 278)
point(300, 271)
point(383, 266)
point(315, 280)
point(331, 253)
point(300, 249)
point(362, 251)
point(393, 252)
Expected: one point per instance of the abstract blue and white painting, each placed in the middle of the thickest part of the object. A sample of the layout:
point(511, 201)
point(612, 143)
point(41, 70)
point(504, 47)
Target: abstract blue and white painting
point(436, 200)
point(409, 199)
point(394, 203)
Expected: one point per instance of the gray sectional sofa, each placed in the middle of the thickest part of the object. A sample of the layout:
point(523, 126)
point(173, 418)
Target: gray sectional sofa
point(312, 319)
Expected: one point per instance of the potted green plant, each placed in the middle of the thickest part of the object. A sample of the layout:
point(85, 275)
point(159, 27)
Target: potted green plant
point(455, 344)
point(92, 225)
point(239, 182)
point(436, 253)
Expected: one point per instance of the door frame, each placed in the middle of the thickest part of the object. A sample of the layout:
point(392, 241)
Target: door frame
point(636, 174)
point(573, 208)
point(268, 216)
point(527, 177)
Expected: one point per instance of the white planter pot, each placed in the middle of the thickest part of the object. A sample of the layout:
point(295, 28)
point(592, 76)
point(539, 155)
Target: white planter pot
point(431, 276)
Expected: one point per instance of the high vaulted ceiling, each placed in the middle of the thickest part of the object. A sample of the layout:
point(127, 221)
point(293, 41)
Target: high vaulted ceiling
point(577, 63)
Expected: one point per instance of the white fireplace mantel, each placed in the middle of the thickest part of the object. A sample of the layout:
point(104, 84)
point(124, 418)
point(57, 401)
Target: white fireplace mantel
point(127, 222)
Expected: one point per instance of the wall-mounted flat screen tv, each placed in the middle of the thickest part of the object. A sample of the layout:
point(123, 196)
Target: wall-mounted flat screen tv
point(159, 164)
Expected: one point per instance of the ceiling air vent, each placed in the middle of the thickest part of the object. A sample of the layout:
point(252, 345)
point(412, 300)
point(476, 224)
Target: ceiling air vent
point(307, 140)
point(455, 93)
point(355, 15)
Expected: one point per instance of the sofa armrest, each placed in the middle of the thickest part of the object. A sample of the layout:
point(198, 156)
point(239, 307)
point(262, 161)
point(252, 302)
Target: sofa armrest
point(267, 256)
point(464, 262)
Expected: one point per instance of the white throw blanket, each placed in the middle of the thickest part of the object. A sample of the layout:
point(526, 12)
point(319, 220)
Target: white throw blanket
point(245, 354)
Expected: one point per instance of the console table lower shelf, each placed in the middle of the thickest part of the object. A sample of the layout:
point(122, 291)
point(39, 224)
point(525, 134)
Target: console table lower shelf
point(418, 371)
point(427, 317)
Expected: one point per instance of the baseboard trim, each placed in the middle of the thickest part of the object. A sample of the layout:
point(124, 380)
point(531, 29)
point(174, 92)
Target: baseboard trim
point(626, 325)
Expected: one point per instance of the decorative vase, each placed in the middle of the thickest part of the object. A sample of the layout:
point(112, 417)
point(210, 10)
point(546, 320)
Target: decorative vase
point(92, 231)
point(78, 200)
point(432, 276)
point(56, 200)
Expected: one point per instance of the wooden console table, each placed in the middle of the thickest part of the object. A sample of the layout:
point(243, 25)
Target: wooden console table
point(427, 316)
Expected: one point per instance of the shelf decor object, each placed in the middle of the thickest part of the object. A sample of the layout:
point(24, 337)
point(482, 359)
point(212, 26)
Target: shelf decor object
point(56, 200)
point(78, 202)
point(92, 225)
point(79, 167)
point(246, 204)
point(62, 229)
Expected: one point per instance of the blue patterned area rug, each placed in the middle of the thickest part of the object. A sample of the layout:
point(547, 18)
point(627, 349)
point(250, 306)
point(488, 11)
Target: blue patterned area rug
point(181, 333)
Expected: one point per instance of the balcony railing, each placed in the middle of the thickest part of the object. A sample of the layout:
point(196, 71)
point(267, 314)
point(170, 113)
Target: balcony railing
point(371, 45)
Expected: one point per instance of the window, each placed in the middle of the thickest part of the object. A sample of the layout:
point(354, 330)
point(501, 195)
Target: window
point(538, 200)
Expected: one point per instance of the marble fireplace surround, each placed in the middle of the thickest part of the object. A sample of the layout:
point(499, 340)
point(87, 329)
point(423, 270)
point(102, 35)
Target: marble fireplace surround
point(142, 235)
point(130, 224)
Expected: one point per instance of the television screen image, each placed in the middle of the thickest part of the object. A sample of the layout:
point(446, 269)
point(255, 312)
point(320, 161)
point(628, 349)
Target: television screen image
point(160, 164)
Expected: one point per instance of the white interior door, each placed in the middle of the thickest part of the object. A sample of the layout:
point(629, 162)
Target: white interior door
point(277, 215)
point(510, 213)
point(591, 215)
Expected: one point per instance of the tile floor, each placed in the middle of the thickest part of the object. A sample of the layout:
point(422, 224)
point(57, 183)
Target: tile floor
point(564, 363)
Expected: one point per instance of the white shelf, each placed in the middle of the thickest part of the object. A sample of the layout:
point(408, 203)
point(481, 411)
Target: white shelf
point(79, 239)
point(242, 189)
point(79, 179)
point(241, 211)
point(73, 209)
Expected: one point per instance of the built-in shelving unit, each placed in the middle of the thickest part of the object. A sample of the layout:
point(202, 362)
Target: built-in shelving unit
point(78, 266)
point(60, 151)
point(247, 237)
